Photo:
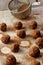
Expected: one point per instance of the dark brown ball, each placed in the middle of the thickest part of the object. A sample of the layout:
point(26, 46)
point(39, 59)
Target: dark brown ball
point(36, 33)
point(11, 60)
point(5, 39)
point(34, 51)
point(18, 25)
point(16, 48)
point(3, 27)
point(21, 33)
point(34, 62)
point(39, 42)
point(33, 24)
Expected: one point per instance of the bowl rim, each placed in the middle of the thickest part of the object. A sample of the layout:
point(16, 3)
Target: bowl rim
point(20, 11)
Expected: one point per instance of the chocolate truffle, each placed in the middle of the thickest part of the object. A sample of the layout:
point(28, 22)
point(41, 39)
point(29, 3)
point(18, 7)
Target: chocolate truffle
point(11, 60)
point(21, 33)
point(34, 62)
point(34, 51)
point(33, 24)
point(36, 33)
point(16, 48)
point(3, 27)
point(39, 42)
point(5, 39)
point(18, 25)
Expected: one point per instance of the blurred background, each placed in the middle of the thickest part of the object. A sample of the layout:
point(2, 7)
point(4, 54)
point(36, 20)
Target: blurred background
point(4, 3)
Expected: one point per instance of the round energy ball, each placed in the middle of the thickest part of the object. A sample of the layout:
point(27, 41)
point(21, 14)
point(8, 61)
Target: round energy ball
point(11, 60)
point(34, 51)
point(16, 48)
point(36, 33)
point(18, 25)
point(3, 27)
point(21, 33)
point(39, 42)
point(5, 39)
point(33, 24)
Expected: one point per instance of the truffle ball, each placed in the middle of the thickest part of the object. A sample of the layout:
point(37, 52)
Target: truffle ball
point(18, 25)
point(11, 60)
point(3, 27)
point(36, 33)
point(33, 24)
point(21, 33)
point(39, 42)
point(16, 48)
point(34, 51)
point(34, 62)
point(5, 39)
